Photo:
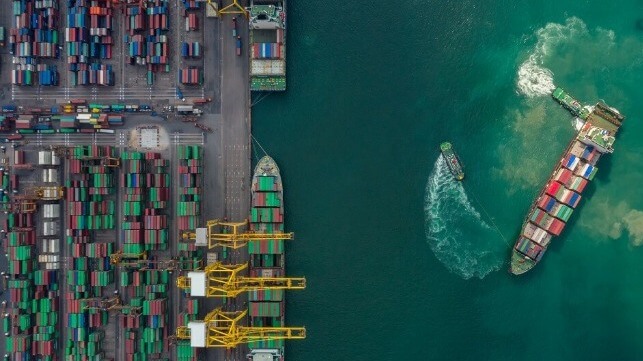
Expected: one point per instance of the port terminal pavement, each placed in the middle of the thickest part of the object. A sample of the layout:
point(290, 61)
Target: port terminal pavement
point(226, 150)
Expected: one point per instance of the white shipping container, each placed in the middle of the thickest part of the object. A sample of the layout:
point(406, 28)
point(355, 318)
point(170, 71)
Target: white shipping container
point(267, 67)
point(50, 175)
point(55, 160)
point(54, 245)
point(49, 228)
point(51, 210)
point(44, 157)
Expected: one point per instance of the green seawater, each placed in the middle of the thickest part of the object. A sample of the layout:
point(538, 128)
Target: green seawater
point(403, 264)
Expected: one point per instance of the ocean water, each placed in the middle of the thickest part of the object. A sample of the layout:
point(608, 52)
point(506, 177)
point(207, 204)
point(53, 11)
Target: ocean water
point(403, 263)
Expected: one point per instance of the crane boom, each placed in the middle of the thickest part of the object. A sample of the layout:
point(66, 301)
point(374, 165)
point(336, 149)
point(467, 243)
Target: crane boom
point(220, 329)
point(208, 236)
point(219, 280)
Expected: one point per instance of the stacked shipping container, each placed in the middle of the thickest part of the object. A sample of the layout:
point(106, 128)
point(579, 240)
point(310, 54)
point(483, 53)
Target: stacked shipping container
point(89, 208)
point(145, 331)
point(561, 195)
point(145, 180)
point(34, 37)
point(191, 50)
point(88, 37)
point(190, 76)
point(267, 258)
point(31, 322)
point(188, 217)
point(147, 40)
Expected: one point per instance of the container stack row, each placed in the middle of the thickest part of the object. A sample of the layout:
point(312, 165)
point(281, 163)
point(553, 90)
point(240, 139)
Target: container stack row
point(191, 21)
point(188, 212)
point(89, 40)
point(34, 37)
point(146, 330)
point(157, 198)
point(184, 352)
point(191, 4)
point(191, 49)
point(145, 179)
point(31, 321)
point(131, 181)
point(4, 197)
point(191, 75)
point(147, 42)
point(90, 207)
point(561, 196)
point(190, 171)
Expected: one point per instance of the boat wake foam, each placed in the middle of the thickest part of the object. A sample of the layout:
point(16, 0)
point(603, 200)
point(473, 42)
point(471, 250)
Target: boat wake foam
point(534, 79)
point(455, 230)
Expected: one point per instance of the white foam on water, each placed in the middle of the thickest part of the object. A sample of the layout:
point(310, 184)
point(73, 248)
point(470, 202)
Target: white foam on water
point(534, 79)
point(456, 232)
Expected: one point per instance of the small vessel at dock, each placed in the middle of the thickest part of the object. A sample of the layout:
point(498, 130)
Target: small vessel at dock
point(452, 160)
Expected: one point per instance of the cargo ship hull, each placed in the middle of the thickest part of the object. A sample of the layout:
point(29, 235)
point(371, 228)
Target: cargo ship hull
point(267, 258)
point(561, 195)
point(267, 50)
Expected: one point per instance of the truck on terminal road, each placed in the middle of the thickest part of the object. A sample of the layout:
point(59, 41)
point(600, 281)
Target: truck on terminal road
point(201, 101)
point(238, 45)
point(188, 109)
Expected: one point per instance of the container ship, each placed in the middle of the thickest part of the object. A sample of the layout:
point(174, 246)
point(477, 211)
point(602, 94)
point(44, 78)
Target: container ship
point(267, 258)
point(267, 45)
point(452, 160)
point(563, 190)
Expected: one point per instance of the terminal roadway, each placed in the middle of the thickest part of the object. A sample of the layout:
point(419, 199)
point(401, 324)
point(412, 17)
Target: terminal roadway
point(234, 157)
point(94, 93)
point(119, 139)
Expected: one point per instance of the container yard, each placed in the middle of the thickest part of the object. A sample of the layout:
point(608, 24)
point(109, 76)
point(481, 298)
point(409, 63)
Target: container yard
point(104, 49)
point(116, 149)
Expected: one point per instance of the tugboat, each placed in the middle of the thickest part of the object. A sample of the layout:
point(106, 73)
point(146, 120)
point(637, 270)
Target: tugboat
point(452, 161)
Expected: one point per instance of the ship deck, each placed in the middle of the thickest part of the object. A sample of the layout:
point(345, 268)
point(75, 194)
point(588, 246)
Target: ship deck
point(600, 122)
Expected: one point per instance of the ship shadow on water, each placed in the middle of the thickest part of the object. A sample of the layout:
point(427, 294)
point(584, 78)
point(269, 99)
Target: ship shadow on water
point(604, 170)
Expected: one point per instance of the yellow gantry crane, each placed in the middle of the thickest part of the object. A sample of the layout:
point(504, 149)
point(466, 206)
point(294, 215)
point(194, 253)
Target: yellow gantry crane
point(118, 256)
point(48, 193)
point(219, 280)
point(221, 329)
point(209, 237)
point(105, 161)
point(23, 204)
point(110, 304)
point(233, 8)
point(163, 265)
point(26, 203)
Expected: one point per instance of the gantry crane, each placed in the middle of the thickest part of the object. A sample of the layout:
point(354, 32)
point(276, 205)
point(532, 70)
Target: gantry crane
point(116, 257)
point(23, 204)
point(165, 265)
point(48, 193)
point(26, 203)
point(105, 161)
point(233, 8)
point(219, 280)
point(110, 304)
point(221, 329)
point(236, 239)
